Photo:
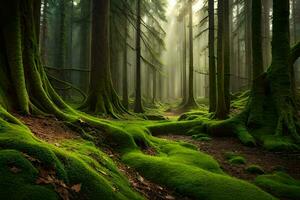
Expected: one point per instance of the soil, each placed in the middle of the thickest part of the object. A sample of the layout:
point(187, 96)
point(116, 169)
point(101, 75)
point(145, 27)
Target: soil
point(54, 131)
point(269, 161)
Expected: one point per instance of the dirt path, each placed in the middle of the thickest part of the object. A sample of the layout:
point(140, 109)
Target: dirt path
point(54, 131)
point(269, 161)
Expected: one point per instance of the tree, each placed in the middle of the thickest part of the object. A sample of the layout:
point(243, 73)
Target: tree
point(102, 98)
point(257, 59)
point(125, 61)
point(221, 111)
point(138, 105)
point(212, 65)
point(248, 39)
point(226, 56)
point(190, 102)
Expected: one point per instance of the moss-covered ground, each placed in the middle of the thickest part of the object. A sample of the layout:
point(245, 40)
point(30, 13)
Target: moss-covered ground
point(79, 169)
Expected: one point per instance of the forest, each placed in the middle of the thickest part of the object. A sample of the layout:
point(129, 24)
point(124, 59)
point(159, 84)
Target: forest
point(150, 100)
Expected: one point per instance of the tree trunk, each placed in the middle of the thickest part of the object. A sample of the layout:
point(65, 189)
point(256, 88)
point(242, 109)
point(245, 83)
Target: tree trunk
point(221, 111)
point(184, 81)
point(44, 32)
point(257, 59)
point(212, 64)
point(85, 43)
point(24, 81)
point(102, 98)
point(248, 40)
point(266, 34)
point(154, 86)
point(125, 62)
point(272, 107)
point(226, 51)
point(138, 107)
point(191, 99)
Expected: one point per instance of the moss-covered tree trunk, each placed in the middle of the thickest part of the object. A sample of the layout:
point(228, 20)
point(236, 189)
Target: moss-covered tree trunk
point(272, 105)
point(24, 84)
point(102, 98)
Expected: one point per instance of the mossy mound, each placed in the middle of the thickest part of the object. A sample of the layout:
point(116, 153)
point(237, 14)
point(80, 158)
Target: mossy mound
point(255, 169)
point(32, 169)
point(234, 158)
point(280, 184)
point(188, 171)
point(201, 137)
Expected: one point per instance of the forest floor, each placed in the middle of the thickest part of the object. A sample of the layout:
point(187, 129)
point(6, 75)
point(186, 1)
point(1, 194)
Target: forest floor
point(269, 161)
point(56, 132)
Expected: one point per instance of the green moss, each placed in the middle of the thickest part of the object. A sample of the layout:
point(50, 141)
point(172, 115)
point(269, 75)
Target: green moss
point(75, 162)
point(280, 184)
point(188, 171)
point(272, 142)
point(193, 181)
point(201, 137)
point(255, 169)
point(234, 158)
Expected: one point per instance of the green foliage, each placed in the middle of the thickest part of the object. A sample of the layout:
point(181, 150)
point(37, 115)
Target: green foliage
point(280, 184)
point(255, 169)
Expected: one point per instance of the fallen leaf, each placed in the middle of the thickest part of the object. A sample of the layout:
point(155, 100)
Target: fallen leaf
point(169, 197)
point(76, 187)
point(63, 193)
point(140, 178)
point(15, 170)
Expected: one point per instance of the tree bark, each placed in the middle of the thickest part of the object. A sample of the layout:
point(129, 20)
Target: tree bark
point(212, 64)
point(226, 51)
point(221, 111)
point(125, 62)
point(138, 107)
point(102, 98)
point(191, 99)
point(257, 59)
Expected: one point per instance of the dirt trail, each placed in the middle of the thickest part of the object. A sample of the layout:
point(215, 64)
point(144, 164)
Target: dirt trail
point(54, 131)
point(269, 161)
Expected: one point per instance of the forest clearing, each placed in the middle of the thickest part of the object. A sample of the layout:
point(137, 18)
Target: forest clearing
point(150, 99)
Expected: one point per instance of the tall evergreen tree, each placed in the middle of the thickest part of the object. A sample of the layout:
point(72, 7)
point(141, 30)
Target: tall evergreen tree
point(221, 111)
point(212, 65)
point(102, 98)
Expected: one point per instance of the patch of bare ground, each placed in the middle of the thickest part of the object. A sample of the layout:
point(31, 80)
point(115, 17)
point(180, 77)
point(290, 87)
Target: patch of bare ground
point(269, 161)
point(54, 131)
point(48, 129)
